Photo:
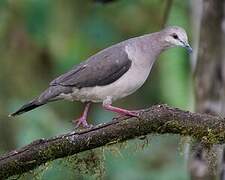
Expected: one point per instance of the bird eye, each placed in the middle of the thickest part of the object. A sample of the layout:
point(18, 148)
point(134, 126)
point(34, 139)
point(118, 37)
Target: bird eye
point(174, 36)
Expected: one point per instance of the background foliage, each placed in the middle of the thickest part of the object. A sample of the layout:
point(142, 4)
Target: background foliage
point(40, 39)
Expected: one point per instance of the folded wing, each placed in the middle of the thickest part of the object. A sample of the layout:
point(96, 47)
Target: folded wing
point(99, 70)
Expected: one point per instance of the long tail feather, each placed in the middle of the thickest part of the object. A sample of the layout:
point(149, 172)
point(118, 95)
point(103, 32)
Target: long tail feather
point(27, 107)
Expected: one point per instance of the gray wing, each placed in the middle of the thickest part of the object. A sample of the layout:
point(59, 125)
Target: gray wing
point(101, 69)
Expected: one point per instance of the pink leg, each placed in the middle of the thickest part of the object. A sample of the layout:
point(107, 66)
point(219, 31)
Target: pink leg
point(120, 110)
point(83, 119)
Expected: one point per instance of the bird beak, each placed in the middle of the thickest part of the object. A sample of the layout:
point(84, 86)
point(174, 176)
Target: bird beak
point(187, 47)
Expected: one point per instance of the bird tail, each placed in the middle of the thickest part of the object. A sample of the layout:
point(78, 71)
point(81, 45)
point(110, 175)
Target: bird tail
point(49, 95)
point(27, 107)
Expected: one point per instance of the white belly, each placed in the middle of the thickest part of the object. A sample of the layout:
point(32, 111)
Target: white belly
point(132, 80)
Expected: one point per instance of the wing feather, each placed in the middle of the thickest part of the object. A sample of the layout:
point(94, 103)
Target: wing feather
point(101, 69)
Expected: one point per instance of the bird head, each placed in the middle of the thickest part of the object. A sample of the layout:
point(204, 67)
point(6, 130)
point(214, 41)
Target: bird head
point(176, 36)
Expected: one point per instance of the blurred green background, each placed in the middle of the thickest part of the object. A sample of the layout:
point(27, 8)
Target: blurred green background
point(40, 39)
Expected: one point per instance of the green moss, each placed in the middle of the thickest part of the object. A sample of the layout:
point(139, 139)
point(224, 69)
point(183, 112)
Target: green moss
point(35, 174)
point(87, 163)
point(211, 137)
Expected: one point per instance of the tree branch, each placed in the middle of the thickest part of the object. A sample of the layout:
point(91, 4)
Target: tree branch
point(159, 119)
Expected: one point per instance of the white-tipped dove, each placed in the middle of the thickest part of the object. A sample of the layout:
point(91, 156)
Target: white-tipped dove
point(111, 74)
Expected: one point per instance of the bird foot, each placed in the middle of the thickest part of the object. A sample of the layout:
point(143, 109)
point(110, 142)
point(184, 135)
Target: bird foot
point(129, 113)
point(81, 122)
point(121, 111)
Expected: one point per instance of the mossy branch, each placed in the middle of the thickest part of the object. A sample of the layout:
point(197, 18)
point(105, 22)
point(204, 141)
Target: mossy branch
point(159, 119)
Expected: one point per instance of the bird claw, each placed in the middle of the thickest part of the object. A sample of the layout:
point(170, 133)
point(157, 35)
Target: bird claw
point(133, 113)
point(129, 113)
point(121, 111)
point(81, 122)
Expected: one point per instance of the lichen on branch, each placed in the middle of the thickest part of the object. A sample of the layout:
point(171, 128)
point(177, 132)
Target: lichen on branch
point(158, 119)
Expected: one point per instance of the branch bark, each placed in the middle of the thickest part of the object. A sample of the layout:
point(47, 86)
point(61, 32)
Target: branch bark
point(159, 119)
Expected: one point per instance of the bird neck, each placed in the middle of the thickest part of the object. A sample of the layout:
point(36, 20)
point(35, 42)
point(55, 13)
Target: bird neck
point(152, 45)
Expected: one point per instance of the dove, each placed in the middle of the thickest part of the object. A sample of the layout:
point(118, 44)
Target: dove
point(111, 74)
